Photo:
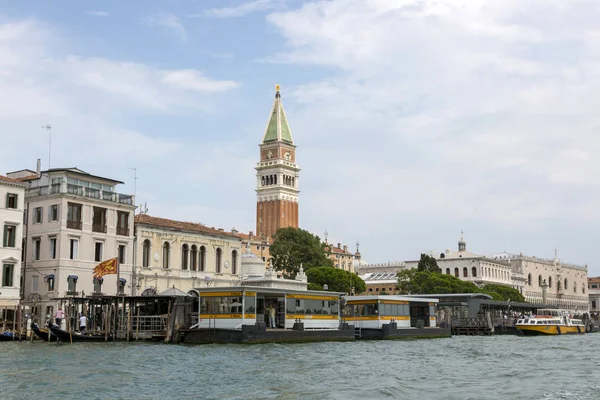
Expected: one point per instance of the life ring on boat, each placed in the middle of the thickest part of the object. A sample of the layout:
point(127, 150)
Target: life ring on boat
point(558, 329)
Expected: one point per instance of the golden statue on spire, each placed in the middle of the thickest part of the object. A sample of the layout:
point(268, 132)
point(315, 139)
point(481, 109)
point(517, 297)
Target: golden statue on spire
point(277, 87)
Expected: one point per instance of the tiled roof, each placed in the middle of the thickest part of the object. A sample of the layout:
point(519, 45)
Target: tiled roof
point(27, 178)
point(278, 128)
point(146, 219)
point(255, 238)
point(337, 250)
point(9, 180)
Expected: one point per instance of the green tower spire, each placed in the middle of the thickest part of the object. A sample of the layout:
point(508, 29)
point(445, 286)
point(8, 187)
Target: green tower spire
point(277, 127)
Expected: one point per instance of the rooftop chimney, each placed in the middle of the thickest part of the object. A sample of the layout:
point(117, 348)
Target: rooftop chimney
point(250, 235)
point(345, 249)
point(38, 168)
point(339, 245)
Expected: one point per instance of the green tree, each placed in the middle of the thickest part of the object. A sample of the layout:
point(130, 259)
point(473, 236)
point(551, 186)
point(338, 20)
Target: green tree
point(293, 247)
point(428, 263)
point(413, 281)
point(337, 280)
point(503, 293)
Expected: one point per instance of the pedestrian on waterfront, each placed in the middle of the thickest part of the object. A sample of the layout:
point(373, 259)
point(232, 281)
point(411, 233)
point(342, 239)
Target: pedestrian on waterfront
point(82, 323)
point(272, 316)
point(60, 314)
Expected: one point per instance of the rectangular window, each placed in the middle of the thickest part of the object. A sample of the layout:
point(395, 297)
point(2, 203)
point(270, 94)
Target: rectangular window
point(7, 275)
point(37, 215)
point(34, 284)
point(122, 223)
point(98, 252)
point(53, 248)
point(12, 200)
point(74, 216)
point(122, 254)
point(74, 249)
point(10, 235)
point(72, 284)
point(99, 220)
point(53, 213)
point(37, 246)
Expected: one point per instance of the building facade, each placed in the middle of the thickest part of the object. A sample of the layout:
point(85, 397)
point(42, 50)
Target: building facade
point(183, 255)
point(277, 176)
point(12, 204)
point(594, 295)
point(341, 257)
point(563, 285)
point(74, 221)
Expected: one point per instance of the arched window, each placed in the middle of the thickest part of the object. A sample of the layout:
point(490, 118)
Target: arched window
point(465, 272)
point(549, 282)
point(275, 180)
point(566, 287)
point(447, 271)
point(185, 252)
point(218, 260)
point(529, 279)
point(262, 180)
point(456, 272)
point(474, 272)
point(194, 258)
point(202, 258)
point(234, 258)
point(146, 254)
point(166, 255)
point(540, 281)
point(582, 288)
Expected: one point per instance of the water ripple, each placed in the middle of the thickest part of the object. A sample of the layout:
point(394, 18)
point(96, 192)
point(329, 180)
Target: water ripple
point(457, 368)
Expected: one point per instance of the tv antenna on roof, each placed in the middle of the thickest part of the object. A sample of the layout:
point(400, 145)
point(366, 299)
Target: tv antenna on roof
point(49, 129)
point(135, 178)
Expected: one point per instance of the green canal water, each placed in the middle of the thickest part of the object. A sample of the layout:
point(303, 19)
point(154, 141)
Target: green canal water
point(501, 367)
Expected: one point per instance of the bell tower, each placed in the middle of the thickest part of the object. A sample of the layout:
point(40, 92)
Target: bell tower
point(277, 175)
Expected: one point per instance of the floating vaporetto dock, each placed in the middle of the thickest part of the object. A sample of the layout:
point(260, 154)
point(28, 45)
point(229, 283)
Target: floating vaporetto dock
point(392, 317)
point(257, 314)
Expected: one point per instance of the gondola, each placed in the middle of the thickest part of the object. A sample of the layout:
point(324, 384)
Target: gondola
point(43, 333)
point(9, 337)
point(74, 336)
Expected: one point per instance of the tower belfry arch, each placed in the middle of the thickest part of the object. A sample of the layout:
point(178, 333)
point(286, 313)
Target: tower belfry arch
point(277, 175)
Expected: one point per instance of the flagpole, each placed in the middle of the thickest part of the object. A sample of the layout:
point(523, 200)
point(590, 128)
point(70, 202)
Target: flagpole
point(118, 271)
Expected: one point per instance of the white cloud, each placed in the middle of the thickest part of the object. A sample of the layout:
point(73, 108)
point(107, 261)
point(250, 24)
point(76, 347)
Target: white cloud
point(168, 21)
point(97, 108)
point(98, 13)
point(447, 111)
point(237, 11)
point(193, 80)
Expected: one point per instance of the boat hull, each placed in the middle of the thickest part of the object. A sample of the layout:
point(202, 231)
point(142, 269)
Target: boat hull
point(544, 330)
point(43, 334)
point(68, 337)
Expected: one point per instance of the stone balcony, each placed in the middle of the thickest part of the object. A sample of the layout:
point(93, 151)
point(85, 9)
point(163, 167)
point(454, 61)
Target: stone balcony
point(82, 191)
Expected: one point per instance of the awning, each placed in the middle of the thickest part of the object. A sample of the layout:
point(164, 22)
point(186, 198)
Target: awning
point(48, 277)
point(72, 277)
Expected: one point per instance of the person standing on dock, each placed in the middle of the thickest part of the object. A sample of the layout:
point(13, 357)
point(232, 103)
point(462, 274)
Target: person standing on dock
point(272, 316)
point(82, 323)
point(60, 314)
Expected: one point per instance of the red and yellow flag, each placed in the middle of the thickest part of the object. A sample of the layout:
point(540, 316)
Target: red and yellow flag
point(106, 268)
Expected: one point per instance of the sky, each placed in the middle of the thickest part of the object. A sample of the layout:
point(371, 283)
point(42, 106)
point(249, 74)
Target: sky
point(414, 119)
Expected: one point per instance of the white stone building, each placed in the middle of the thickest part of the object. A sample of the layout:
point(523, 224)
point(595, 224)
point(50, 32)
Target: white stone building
point(567, 283)
point(184, 255)
point(74, 221)
point(12, 199)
